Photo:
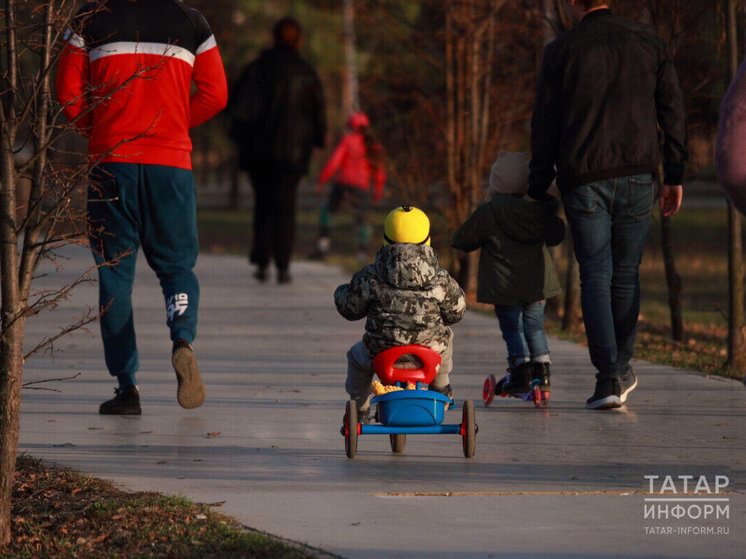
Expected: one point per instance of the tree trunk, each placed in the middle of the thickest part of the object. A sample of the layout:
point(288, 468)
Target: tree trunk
point(11, 336)
point(736, 340)
point(11, 379)
point(11, 320)
point(350, 98)
point(572, 290)
point(673, 280)
point(470, 48)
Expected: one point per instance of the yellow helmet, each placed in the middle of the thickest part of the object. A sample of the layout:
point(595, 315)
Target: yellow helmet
point(406, 224)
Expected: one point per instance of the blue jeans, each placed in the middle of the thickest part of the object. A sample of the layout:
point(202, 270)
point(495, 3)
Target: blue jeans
point(522, 327)
point(153, 206)
point(609, 220)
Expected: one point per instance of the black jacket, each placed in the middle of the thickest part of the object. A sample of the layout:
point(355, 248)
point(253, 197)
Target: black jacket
point(278, 112)
point(515, 266)
point(603, 89)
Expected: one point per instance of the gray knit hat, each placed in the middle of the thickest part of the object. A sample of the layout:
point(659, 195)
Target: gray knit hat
point(509, 173)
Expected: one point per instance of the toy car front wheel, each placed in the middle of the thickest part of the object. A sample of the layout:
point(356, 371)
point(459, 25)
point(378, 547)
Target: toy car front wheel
point(350, 427)
point(397, 442)
point(468, 429)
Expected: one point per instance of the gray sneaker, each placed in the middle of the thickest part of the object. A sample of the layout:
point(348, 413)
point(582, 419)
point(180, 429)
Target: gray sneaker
point(627, 382)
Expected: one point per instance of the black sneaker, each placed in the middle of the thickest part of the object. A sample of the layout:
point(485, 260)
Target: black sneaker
point(520, 379)
point(541, 373)
point(627, 382)
point(283, 276)
point(191, 390)
point(606, 396)
point(126, 402)
point(261, 274)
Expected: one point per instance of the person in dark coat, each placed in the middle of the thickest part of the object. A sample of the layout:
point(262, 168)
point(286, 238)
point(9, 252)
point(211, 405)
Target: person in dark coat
point(516, 272)
point(605, 90)
point(278, 117)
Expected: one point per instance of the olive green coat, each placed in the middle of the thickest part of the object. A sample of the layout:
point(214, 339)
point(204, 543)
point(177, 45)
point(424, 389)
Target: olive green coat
point(515, 266)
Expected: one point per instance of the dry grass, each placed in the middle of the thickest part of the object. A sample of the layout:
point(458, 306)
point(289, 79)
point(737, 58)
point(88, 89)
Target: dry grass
point(58, 513)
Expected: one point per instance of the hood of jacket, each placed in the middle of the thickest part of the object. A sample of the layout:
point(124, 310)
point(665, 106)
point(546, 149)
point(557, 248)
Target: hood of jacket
point(407, 266)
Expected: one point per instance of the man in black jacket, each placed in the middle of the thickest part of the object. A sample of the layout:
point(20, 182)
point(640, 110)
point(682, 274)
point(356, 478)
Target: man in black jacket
point(279, 115)
point(604, 89)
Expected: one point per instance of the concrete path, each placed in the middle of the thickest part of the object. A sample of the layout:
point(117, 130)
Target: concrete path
point(265, 447)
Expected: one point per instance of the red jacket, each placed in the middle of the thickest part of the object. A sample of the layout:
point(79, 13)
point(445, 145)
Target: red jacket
point(125, 78)
point(349, 165)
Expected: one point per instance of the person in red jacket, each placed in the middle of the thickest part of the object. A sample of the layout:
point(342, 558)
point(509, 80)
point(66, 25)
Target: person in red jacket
point(356, 162)
point(125, 81)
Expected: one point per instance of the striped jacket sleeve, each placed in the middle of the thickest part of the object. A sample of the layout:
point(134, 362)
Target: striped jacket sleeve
point(211, 95)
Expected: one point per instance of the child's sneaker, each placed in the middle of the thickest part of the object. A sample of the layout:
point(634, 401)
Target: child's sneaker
point(125, 402)
point(520, 379)
point(323, 245)
point(445, 390)
point(606, 395)
point(541, 373)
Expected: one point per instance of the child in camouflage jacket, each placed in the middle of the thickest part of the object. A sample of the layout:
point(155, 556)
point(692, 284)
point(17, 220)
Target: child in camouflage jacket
point(406, 297)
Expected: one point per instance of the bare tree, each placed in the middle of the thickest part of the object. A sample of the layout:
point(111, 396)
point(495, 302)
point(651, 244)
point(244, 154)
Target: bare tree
point(556, 21)
point(54, 213)
point(350, 99)
point(470, 52)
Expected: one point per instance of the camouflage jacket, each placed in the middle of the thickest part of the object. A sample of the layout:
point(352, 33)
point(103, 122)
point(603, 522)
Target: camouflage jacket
point(407, 299)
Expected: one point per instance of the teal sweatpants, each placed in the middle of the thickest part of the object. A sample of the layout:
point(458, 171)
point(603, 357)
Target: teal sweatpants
point(153, 207)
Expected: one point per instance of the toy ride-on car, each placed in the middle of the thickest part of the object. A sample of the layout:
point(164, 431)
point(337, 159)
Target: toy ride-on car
point(403, 411)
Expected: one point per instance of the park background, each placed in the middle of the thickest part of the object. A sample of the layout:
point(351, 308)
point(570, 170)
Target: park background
point(447, 86)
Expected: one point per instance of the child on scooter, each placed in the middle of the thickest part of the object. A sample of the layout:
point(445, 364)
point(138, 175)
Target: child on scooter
point(406, 297)
point(516, 272)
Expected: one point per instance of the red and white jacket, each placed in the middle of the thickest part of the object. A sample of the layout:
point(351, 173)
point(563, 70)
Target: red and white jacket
point(125, 79)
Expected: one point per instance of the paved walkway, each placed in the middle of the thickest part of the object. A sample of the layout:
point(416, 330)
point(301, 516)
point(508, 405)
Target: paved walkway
point(555, 482)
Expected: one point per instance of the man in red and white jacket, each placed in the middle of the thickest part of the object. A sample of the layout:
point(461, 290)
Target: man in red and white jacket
point(125, 81)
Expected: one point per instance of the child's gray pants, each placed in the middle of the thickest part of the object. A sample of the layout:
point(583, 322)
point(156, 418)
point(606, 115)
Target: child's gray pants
point(360, 373)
